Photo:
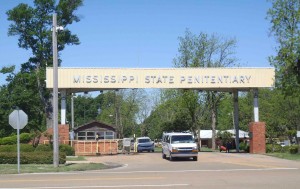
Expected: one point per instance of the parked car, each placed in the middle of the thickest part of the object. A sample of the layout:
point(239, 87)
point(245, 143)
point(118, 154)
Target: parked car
point(144, 144)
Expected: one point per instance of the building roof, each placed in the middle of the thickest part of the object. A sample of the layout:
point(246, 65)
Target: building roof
point(94, 124)
point(207, 134)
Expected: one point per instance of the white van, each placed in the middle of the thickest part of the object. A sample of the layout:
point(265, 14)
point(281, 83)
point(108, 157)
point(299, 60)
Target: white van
point(179, 145)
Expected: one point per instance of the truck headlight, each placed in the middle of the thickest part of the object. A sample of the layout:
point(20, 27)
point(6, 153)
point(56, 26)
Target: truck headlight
point(174, 149)
point(195, 149)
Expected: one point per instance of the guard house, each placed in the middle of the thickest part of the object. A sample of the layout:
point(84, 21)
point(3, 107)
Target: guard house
point(95, 138)
point(95, 131)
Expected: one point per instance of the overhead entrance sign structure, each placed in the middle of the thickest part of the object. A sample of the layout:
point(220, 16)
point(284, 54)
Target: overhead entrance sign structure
point(217, 79)
point(18, 119)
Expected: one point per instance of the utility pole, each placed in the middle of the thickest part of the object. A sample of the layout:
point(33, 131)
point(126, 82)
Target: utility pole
point(55, 28)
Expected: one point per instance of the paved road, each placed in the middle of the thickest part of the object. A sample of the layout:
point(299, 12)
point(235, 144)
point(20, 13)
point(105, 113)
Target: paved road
point(149, 170)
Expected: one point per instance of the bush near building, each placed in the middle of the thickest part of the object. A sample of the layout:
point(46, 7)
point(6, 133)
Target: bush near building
point(13, 148)
point(42, 154)
point(24, 138)
point(275, 148)
point(30, 158)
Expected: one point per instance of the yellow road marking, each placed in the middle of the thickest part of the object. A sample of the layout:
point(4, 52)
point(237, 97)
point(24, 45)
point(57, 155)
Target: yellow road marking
point(252, 165)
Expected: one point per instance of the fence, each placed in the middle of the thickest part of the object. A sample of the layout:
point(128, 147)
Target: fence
point(92, 147)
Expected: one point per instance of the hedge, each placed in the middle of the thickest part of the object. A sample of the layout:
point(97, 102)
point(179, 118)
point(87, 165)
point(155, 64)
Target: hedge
point(44, 148)
point(64, 148)
point(243, 146)
point(24, 138)
point(30, 158)
point(270, 148)
point(13, 148)
point(293, 149)
point(9, 140)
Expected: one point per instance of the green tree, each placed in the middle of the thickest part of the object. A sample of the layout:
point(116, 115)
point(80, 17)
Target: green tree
point(19, 92)
point(33, 27)
point(85, 109)
point(285, 21)
point(206, 51)
point(225, 137)
point(164, 114)
point(118, 108)
point(225, 113)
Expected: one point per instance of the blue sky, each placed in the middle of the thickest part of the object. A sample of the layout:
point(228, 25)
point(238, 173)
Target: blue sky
point(144, 34)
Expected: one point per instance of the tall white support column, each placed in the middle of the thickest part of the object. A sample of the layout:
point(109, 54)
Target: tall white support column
point(255, 103)
point(236, 118)
point(63, 107)
point(72, 110)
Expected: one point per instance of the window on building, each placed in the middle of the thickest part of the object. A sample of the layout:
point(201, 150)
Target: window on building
point(109, 135)
point(81, 135)
point(92, 135)
point(101, 135)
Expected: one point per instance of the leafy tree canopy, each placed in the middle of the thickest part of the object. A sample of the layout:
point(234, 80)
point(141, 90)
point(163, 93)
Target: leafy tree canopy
point(32, 25)
point(285, 22)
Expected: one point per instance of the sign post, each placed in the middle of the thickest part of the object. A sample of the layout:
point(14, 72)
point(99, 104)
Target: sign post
point(18, 119)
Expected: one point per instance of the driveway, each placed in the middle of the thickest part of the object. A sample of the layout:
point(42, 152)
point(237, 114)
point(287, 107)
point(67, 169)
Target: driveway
point(149, 170)
point(154, 161)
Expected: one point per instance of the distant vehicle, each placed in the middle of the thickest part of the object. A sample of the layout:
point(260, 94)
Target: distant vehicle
point(179, 145)
point(144, 144)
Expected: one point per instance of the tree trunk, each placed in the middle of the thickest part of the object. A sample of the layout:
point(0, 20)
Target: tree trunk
point(47, 103)
point(199, 140)
point(49, 114)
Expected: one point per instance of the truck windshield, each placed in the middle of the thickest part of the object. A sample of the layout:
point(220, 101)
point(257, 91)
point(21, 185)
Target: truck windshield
point(182, 139)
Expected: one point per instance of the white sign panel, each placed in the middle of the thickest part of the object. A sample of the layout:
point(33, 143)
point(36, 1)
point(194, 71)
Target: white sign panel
point(18, 118)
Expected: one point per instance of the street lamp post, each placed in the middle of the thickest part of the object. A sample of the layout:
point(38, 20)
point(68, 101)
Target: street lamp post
point(55, 28)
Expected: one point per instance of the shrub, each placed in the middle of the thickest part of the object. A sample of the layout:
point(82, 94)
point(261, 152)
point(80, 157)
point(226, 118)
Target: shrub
point(67, 149)
point(13, 148)
point(30, 158)
point(270, 148)
point(285, 149)
point(244, 146)
point(26, 148)
point(9, 140)
point(25, 138)
point(8, 148)
point(293, 149)
point(43, 148)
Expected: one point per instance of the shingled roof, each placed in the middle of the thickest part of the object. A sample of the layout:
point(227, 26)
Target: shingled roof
point(94, 125)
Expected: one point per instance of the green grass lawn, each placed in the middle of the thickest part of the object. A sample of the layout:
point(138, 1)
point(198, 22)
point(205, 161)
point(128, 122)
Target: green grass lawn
point(41, 168)
point(76, 158)
point(289, 156)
